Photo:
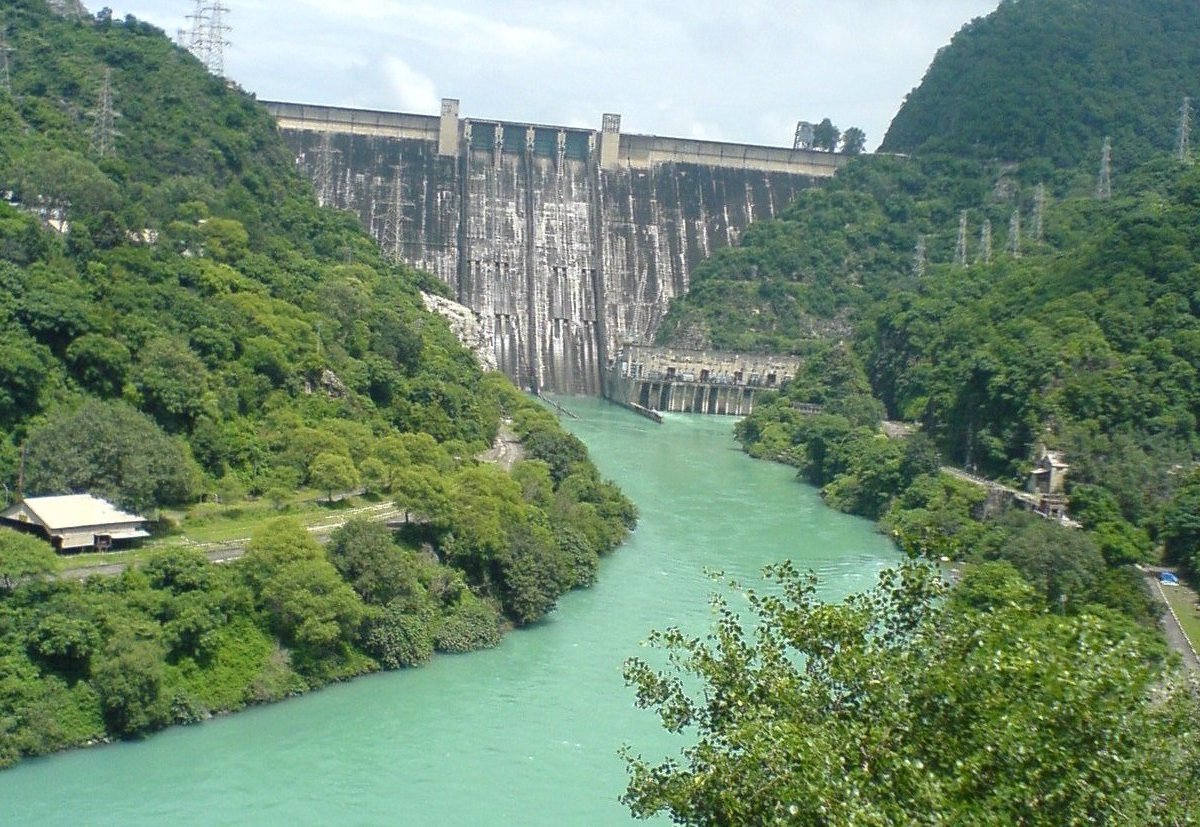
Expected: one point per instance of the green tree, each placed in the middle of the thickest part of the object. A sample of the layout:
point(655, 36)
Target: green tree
point(895, 708)
point(1181, 523)
point(826, 136)
point(854, 140)
point(333, 472)
point(366, 555)
point(129, 681)
point(99, 363)
point(23, 556)
point(110, 450)
point(171, 380)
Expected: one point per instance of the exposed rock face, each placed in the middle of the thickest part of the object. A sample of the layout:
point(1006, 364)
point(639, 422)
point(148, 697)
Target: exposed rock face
point(465, 324)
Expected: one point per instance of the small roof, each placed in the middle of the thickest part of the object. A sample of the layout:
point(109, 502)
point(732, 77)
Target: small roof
point(73, 510)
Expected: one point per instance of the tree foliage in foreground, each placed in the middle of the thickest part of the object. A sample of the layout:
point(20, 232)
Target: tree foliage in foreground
point(902, 707)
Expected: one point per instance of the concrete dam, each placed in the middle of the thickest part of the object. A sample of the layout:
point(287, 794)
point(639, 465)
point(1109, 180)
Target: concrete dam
point(568, 243)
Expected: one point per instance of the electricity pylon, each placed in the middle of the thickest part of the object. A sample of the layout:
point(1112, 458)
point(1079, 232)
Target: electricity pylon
point(104, 131)
point(1183, 145)
point(960, 249)
point(1104, 181)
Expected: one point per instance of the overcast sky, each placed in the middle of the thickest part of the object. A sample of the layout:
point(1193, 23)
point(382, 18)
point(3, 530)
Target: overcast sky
point(732, 70)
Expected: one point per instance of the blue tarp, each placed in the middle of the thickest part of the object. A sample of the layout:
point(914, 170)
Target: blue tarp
point(1167, 577)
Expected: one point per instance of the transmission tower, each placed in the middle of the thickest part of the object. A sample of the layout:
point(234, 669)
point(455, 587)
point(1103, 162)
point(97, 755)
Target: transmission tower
point(1039, 212)
point(197, 22)
point(1184, 144)
point(1014, 233)
point(1104, 182)
point(206, 34)
point(985, 242)
point(323, 171)
point(960, 249)
point(217, 30)
point(104, 132)
point(392, 238)
point(920, 257)
point(5, 50)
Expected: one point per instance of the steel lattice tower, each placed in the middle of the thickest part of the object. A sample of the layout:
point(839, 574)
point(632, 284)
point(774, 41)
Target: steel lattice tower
point(985, 242)
point(104, 132)
point(1104, 181)
point(920, 257)
point(206, 35)
point(1183, 145)
point(960, 250)
point(5, 50)
point(323, 172)
point(1039, 212)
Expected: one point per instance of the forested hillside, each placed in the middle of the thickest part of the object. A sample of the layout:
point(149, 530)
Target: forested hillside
point(179, 322)
point(1050, 79)
point(1001, 295)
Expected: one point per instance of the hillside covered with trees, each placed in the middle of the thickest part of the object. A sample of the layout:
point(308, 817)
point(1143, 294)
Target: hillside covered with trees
point(999, 289)
point(180, 322)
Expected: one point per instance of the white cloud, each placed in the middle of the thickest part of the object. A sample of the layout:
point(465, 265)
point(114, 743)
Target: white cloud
point(739, 71)
point(414, 91)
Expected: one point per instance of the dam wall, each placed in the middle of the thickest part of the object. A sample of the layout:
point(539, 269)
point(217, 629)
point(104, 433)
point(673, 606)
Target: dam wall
point(568, 243)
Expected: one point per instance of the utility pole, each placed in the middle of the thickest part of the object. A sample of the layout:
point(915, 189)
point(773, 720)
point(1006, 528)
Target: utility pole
point(960, 249)
point(1104, 182)
point(1014, 233)
point(103, 130)
point(1039, 212)
point(920, 257)
point(1184, 145)
point(985, 242)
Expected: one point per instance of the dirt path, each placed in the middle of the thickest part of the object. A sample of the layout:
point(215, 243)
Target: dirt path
point(506, 451)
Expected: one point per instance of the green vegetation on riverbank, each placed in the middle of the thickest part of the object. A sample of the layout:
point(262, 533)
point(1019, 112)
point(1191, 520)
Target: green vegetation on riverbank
point(996, 292)
point(179, 322)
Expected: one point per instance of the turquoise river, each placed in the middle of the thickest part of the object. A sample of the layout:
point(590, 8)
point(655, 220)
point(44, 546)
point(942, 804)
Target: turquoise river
point(525, 734)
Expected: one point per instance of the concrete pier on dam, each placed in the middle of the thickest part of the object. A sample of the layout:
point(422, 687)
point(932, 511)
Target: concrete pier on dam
point(566, 242)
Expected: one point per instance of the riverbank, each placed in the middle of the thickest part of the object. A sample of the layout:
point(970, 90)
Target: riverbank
point(526, 733)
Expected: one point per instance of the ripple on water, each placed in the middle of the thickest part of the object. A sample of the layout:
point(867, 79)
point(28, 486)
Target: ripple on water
point(526, 733)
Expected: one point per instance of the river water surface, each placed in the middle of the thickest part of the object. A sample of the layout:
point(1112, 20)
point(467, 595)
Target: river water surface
point(525, 734)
